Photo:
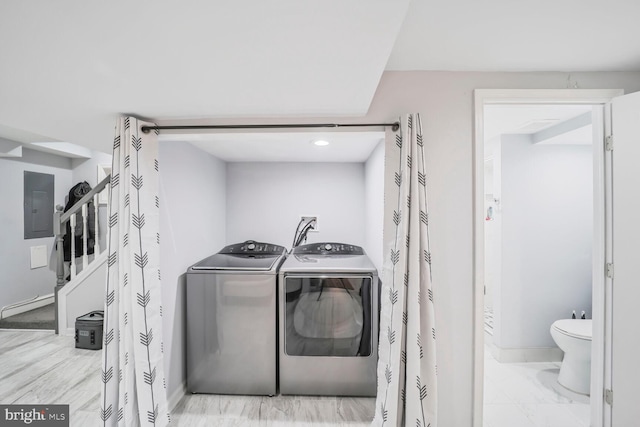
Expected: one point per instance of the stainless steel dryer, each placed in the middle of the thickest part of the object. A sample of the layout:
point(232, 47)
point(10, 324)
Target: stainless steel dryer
point(328, 321)
point(231, 320)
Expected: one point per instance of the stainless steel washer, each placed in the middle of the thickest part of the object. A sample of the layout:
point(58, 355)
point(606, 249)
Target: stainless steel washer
point(328, 321)
point(231, 320)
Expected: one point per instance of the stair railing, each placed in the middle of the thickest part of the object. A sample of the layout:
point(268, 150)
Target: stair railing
point(60, 220)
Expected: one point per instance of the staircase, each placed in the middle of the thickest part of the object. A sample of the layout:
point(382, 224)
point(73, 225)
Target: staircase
point(83, 292)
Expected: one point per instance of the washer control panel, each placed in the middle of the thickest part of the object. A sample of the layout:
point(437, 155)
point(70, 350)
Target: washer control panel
point(251, 247)
point(328, 248)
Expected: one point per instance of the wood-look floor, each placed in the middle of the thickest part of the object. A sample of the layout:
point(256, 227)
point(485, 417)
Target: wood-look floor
point(38, 367)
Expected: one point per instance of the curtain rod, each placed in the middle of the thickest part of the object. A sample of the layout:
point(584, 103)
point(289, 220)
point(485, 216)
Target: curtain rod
point(394, 126)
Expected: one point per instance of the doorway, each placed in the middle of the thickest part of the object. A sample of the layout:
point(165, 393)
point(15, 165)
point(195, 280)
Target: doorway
point(487, 212)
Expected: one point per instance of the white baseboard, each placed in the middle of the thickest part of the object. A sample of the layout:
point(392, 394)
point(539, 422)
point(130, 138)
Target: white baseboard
point(523, 355)
point(28, 306)
point(177, 396)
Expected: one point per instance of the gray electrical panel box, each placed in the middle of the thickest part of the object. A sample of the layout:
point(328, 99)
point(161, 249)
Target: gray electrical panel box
point(38, 205)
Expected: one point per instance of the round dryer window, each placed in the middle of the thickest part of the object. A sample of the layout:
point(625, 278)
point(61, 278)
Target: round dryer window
point(332, 313)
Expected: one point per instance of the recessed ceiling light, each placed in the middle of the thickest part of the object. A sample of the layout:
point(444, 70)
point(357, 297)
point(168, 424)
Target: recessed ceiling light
point(321, 142)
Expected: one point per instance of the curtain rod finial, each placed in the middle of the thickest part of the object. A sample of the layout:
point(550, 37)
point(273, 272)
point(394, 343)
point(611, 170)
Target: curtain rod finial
point(395, 126)
point(145, 129)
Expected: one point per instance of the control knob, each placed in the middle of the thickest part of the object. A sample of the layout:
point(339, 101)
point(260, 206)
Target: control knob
point(327, 247)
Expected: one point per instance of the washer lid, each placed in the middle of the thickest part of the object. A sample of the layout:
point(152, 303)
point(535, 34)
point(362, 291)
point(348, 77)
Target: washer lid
point(578, 328)
point(237, 262)
point(247, 256)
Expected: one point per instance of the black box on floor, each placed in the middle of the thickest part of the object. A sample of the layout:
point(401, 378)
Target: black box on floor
point(89, 330)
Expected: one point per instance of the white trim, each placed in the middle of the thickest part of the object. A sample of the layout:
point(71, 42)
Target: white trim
point(103, 171)
point(69, 287)
point(177, 396)
point(27, 306)
point(50, 331)
point(608, 291)
point(599, 259)
point(545, 96)
point(527, 355)
point(483, 97)
point(524, 355)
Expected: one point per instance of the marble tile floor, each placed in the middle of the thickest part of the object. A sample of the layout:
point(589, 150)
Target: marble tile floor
point(39, 367)
point(525, 395)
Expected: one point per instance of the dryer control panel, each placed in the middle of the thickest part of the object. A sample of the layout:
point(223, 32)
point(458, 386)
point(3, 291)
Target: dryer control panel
point(251, 247)
point(328, 248)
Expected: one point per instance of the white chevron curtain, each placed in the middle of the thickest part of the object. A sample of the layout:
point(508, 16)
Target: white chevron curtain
point(133, 392)
point(407, 386)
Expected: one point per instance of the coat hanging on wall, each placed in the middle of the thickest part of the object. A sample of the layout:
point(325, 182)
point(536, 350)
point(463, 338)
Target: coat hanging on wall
point(76, 193)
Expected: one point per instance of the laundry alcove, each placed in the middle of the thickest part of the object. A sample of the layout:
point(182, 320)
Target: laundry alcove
point(218, 189)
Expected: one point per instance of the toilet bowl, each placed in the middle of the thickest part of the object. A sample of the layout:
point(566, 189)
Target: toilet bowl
point(573, 336)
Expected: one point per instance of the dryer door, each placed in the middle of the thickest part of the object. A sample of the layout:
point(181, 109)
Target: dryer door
point(328, 315)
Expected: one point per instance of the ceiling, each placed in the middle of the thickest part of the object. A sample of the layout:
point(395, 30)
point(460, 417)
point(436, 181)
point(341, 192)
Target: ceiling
point(547, 124)
point(70, 68)
point(507, 35)
point(285, 146)
point(504, 118)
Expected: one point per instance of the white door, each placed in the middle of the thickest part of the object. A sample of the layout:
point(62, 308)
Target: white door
point(625, 323)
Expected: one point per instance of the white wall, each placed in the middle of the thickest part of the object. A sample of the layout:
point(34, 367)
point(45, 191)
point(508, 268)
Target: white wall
point(192, 227)
point(547, 232)
point(87, 169)
point(374, 206)
point(445, 101)
point(19, 282)
point(265, 201)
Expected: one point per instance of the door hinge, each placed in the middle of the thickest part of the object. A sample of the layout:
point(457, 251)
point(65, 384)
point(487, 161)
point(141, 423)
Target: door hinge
point(608, 143)
point(608, 396)
point(608, 269)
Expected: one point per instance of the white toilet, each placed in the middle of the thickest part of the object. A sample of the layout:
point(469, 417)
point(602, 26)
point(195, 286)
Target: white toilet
point(573, 336)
